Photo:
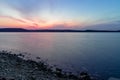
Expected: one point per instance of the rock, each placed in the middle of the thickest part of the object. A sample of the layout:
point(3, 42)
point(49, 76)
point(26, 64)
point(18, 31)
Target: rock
point(13, 67)
point(112, 78)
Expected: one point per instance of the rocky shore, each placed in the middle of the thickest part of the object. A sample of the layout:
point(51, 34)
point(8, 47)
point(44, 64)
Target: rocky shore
point(14, 67)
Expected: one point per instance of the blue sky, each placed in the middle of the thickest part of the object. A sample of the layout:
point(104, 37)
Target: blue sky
point(65, 14)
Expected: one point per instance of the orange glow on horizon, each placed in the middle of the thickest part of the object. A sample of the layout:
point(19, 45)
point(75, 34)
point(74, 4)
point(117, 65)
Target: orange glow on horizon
point(33, 23)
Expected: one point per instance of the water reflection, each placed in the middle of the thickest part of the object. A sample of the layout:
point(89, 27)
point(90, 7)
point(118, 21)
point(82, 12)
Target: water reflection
point(94, 52)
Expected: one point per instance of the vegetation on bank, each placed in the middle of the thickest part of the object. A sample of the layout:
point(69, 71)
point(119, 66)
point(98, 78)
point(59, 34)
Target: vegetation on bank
point(14, 67)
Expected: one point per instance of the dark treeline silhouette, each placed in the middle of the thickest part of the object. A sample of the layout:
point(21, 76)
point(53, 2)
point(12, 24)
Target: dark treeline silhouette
point(52, 30)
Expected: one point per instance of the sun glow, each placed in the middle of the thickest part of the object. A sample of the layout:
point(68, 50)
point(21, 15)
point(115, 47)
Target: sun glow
point(34, 23)
point(59, 14)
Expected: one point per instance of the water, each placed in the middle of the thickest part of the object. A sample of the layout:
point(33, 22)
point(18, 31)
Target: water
point(97, 53)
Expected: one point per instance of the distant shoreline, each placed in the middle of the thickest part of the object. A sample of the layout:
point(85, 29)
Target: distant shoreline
point(52, 30)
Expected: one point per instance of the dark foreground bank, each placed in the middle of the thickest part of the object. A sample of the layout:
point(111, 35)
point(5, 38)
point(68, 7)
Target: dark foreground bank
point(14, 67)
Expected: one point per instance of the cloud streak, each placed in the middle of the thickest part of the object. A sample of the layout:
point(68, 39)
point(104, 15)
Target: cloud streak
point(112, 25)
point(59, 13)
point(12, 18)
point(24, 7)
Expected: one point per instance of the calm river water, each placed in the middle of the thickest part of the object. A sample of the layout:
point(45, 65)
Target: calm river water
point(97, 53)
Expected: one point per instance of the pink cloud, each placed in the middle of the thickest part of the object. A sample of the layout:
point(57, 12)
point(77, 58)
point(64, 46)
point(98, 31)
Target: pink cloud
point(12, 18)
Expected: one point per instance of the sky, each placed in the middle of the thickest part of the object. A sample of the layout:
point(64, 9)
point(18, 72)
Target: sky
point(60, 14)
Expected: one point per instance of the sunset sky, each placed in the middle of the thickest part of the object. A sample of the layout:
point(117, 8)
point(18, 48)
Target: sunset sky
point(60, 14)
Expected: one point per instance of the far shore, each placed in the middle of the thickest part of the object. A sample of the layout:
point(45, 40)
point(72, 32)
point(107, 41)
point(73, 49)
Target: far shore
point(52, 30)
